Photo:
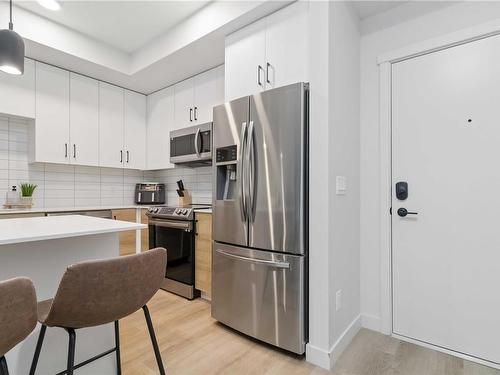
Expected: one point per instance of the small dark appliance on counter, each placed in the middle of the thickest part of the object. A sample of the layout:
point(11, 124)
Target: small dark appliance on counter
point(150, 193)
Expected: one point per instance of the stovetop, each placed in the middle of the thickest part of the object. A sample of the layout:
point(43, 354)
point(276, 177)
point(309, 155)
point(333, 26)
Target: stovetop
point(176, 213)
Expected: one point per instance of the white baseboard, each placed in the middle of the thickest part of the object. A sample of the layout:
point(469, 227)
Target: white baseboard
point(326, 359)
point(371, 322)
point(318, 356)
point(344, 340)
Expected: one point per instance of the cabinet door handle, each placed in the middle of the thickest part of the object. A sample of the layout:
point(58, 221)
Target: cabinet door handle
point(267, 72)
point(259, 68)
point(191, 114)
point(128, 154)
point(74, 150)
point(65, 150)
point(121, 156)
point(195, 113)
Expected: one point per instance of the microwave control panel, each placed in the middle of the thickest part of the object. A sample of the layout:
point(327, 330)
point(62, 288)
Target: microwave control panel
point(225, 154)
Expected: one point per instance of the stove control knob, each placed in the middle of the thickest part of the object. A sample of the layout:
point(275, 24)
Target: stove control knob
point(178, 212)
point(185, 212)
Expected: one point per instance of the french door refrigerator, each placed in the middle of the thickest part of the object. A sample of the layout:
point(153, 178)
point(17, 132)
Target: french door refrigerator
point(259, 277)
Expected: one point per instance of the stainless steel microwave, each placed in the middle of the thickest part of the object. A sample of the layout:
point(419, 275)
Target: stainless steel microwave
point(192, 145)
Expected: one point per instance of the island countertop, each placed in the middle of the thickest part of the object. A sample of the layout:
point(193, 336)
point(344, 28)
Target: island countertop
point(31, 229)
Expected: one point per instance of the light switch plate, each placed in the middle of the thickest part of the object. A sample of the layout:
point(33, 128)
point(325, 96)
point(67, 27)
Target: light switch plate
point(338, 300)
point(341, 185)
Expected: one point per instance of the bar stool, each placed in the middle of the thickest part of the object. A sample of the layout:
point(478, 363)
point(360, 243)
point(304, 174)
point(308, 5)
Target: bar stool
point(17, 315)
point(100, 292)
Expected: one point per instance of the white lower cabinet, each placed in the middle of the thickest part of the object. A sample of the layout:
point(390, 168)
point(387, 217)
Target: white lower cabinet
point(49, 138)
point(160, 121)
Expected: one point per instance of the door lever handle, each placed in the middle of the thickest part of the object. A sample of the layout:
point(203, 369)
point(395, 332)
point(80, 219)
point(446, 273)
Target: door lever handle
point(404, 212)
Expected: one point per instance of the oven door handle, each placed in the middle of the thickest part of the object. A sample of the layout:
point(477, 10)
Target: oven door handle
point(186, 225)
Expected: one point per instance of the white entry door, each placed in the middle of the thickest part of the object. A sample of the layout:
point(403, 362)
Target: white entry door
point(446, 146)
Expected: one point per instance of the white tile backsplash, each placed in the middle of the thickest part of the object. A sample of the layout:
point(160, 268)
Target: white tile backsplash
point(62, 185)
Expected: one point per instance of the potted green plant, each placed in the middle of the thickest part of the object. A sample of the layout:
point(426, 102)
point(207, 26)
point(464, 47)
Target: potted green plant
point(27, 191)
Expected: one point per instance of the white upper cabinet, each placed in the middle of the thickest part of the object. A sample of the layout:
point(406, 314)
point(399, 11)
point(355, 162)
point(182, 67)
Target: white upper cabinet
point(208, 93)
point(195, 97)
point(17, 93)
point(50, 142)
point(184, 103)
point(160, 121)
point(245, 61)
point(286, 46)
point(111, 153)
point(134, 130)
point(84, 120)
point(269, 53)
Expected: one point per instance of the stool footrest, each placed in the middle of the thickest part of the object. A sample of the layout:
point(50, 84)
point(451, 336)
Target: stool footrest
point(103, 354)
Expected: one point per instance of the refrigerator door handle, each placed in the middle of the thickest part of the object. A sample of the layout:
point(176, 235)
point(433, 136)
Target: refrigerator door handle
point(250, 161)
point(270, 263)
point(241, 164)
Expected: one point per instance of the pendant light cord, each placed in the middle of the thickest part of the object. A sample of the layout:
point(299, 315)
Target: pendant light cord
point(11, 25)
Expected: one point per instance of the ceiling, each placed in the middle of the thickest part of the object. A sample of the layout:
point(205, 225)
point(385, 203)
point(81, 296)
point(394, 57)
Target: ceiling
point(366, 9)
point(125, 25)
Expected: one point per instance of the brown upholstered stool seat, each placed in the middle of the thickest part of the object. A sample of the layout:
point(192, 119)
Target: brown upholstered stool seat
point(100, 292)
point(17, 315)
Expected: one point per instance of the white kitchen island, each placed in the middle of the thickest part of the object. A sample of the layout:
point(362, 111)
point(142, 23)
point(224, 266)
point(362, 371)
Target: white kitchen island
point(41, 248)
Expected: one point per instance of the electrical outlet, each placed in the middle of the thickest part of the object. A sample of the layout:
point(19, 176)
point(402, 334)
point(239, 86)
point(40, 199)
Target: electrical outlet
point(338, 300)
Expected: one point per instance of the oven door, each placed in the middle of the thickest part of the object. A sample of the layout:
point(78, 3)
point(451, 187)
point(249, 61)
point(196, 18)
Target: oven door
point(177, 237)
point(193, 144)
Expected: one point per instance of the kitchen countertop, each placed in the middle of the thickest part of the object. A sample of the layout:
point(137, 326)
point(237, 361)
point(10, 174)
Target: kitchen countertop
point(203, 210)
point(34, 210)
point(31, 229)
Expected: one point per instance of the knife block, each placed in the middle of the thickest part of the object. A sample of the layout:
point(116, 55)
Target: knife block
point(186, 200)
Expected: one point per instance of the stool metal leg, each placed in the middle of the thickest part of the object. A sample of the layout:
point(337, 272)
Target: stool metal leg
point(117, 344)
point(38, 349)
point(71, 350)
point(4, 370)
point(153, 340)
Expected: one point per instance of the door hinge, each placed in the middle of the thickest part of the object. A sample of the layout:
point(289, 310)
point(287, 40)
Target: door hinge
point(390, 210)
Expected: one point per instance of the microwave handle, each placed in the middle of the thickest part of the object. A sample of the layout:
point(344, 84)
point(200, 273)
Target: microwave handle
point(196, 137)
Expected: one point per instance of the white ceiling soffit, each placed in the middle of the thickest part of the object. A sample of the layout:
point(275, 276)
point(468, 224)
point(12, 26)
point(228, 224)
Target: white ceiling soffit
point(186, 48)
point(124, 25)
point(403, 11)
point(366, 9)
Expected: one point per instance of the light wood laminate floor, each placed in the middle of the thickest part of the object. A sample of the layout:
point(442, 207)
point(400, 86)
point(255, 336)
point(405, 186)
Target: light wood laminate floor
point(192, 342)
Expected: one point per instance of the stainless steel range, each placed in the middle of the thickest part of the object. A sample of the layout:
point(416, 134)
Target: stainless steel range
point(174, 229)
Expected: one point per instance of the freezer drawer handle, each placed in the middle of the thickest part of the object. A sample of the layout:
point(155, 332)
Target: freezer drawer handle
point(252, 260)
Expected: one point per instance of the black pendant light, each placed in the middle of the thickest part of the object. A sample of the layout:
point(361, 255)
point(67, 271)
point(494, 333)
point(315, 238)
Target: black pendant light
point(11, 49)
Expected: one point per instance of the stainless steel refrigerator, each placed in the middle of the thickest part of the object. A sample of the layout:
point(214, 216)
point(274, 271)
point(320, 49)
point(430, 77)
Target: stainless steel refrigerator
point(260, 206)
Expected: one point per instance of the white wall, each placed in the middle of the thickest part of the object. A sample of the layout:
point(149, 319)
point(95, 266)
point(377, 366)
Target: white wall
point(449, 19)
point(344, 157)
point(334, 220)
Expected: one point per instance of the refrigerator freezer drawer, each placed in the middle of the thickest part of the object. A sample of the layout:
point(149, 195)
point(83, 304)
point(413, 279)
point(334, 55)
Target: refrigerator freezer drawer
point(260, 294)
